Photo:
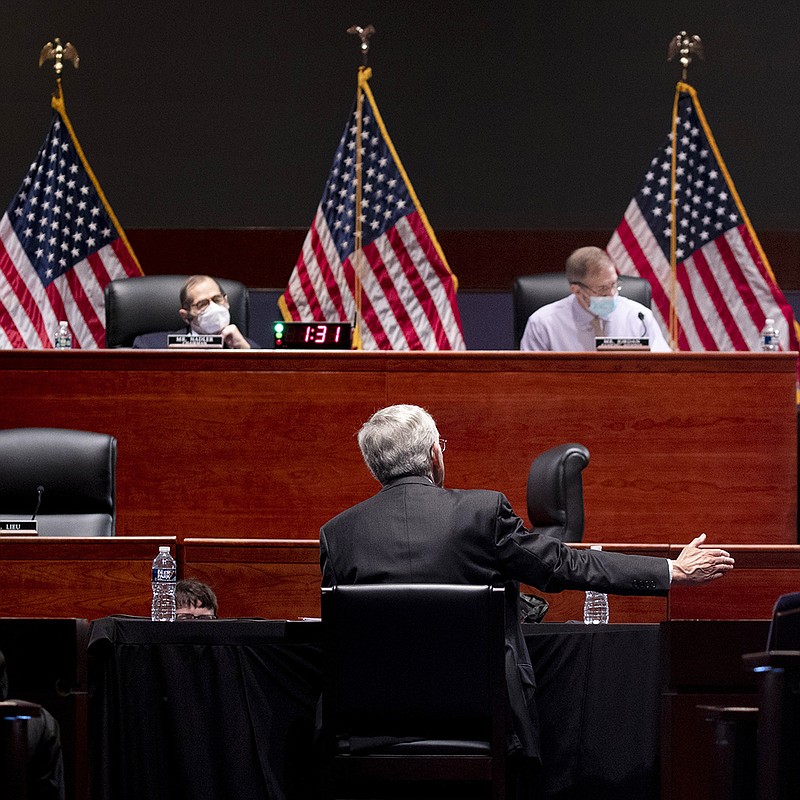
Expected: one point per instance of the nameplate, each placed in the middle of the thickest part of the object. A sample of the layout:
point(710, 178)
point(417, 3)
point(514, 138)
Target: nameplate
point(621, 343)
point(206, 341)
point(19, 527)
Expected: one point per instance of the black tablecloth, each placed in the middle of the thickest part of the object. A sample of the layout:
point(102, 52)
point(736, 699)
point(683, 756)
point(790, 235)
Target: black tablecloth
point(597, 693)
point(226, 708)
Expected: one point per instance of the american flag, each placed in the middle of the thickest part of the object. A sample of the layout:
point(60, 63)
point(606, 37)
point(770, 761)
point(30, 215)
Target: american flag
point(723, 286)
point(60, 244)
point(407, 291)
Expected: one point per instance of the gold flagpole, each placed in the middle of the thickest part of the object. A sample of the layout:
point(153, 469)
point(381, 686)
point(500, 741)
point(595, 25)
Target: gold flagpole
point(684, 46)
point(673, 226)
point(364, 73)
point(358, 253)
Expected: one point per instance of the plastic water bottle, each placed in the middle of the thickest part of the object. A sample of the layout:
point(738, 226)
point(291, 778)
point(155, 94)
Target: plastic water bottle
point(164, 577)
point(63, 337)
point(769, 336)
point(595, 607)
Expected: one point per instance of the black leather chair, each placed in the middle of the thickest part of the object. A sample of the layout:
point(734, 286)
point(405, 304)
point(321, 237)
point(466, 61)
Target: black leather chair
point(531, 292)
point(15, 751)
point(77, 470)
point(756, 748)
point(555, 492)
point(784, 630)
point(414, 687)
point(144, 305)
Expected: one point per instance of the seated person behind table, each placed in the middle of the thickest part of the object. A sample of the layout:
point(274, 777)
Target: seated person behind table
point(194, 600)
point(594, 307)
point(45, 759)
point(416, 531)
point(205, 309)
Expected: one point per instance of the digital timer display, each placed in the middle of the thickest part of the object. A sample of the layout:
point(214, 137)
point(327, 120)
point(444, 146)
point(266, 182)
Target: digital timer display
point(312, 335)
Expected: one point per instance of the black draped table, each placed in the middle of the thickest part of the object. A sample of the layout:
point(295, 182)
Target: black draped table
point(226, 708)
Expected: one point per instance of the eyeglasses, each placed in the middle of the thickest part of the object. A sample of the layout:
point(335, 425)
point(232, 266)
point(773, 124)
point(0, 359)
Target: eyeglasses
point(202, 305)
point(443, 444)
point(195, 616)
point(609, 290)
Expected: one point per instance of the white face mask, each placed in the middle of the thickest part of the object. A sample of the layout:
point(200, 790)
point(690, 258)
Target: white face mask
point(213, 319)
point(602, 306)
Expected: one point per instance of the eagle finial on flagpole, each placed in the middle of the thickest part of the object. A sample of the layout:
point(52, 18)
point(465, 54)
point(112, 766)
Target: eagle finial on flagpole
point(686, 47)
point(54, 51)
point(364, 34)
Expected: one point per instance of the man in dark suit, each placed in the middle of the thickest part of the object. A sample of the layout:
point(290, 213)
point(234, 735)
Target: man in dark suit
point(416, 531)
point(205, 310)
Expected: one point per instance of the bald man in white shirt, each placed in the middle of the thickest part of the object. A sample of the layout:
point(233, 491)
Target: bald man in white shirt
point(593, 308)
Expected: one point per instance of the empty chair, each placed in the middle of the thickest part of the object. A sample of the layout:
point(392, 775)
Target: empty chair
point(149, 304)
point(755, 748)
point(555, 492)
point(414, 686)
point(784, 630)
point(778, 725)
point(531, 292)
point(16, 716)
point(31, 759)
point(76, 471)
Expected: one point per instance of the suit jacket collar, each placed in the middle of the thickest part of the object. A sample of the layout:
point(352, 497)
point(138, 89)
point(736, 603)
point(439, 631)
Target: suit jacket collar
point(405, 480)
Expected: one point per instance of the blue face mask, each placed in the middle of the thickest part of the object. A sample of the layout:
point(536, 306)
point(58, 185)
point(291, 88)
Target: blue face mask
point(602, 306)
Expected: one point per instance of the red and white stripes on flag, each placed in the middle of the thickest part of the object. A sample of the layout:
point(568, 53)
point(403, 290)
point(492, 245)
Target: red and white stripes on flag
point(406, 295)
point(60, 245)
point(721, 288)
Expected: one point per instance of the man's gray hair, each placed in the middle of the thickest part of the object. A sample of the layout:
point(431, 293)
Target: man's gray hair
point(584, 260)
point(396, 441)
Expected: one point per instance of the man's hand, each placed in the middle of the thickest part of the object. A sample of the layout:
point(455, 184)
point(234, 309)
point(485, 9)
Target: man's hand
point(234, 339)
point(697, 565)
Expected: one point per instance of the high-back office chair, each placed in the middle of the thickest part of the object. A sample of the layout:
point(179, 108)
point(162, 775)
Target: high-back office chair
point(148, 304)
point(414, 685)
point(77, 471)
point(756, 748)
point(555, 492)
point(784, 630)
point(778, 720)
point(15, 755)
point(531, 292)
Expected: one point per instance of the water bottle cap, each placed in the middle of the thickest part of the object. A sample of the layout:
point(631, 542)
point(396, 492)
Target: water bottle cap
point(769, 321)
point(163, 548)
point(596, 547)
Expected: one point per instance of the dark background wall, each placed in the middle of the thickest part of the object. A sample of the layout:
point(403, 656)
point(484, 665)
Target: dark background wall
point(196, 113)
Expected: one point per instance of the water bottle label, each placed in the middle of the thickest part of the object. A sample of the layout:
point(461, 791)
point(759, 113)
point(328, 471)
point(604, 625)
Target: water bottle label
point(161, 575)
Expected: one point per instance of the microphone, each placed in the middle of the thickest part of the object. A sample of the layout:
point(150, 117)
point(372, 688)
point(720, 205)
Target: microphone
point(39, 493)
point(644, 325)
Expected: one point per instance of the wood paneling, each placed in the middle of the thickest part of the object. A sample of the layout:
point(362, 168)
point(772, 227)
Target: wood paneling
point(275, 579)
point(262, 444)
point(749, 592)
point(280, 579)
point(77, 577)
